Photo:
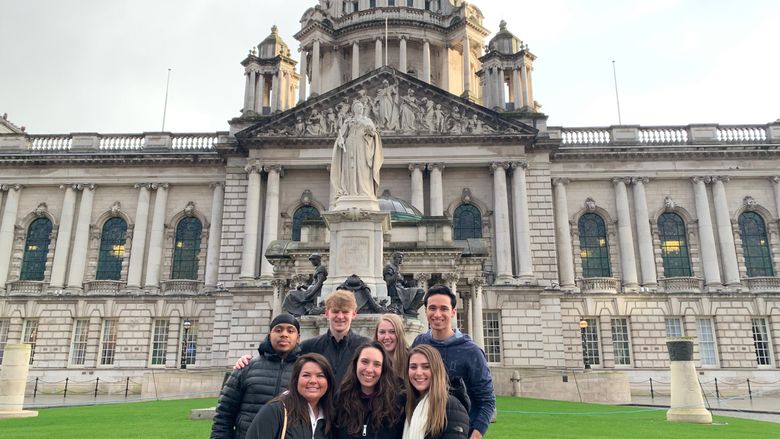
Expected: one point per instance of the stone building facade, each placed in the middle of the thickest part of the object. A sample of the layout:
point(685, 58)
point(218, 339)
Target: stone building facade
point(125, 253)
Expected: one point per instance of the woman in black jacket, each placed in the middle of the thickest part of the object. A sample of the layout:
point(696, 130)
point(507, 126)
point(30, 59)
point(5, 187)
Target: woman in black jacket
point(369, 398)
point(306, 410)
point(431, 412)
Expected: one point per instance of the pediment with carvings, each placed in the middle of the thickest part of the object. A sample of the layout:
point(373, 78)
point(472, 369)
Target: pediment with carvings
point(402, 107)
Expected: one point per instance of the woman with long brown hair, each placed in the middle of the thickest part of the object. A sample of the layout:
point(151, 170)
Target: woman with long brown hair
point(431, 412)
point(390, 332)
point(306, 410)
point(369, 399)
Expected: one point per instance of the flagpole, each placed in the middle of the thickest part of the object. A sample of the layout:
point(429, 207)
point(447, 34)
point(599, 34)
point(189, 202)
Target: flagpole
point(165, 106)
point(617, 98)
point(386, 48)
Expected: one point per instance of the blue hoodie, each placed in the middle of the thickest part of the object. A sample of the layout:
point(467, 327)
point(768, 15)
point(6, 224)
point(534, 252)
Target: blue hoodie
point(464, 359)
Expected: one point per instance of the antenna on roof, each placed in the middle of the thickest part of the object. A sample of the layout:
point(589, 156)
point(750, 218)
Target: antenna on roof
point(165, 106)
point(617, 98)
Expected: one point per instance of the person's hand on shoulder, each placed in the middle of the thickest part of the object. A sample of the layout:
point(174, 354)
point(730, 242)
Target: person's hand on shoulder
point(242, 361)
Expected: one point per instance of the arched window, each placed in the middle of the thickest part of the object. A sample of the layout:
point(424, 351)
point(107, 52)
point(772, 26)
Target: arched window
point(594, 248)
point(755, 245)
point(36, 248)
point(674, 245)
point(467, 222)
point(186, 248)
point(112, 249)
point(302, 214)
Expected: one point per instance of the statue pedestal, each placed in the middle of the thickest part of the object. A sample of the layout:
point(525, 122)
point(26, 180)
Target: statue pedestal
point(361, 202)
point(364, 324)
point(13, 380)
point(356, 244)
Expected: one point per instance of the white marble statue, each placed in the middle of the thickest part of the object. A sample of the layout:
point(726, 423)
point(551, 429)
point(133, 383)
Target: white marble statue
point(357, 156)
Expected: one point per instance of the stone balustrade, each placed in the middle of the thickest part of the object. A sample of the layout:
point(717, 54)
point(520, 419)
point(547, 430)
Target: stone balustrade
point(25, 287)
point(98, 287)
point(681, 284)
point(599, 285)
point(706, 134)
point(391, 12)
point(180, 286)
point(763, 284)
point(107, 143)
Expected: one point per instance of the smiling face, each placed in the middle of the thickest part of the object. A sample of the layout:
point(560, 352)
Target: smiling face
point(284, 337)
point(420, 372)
point(385, 334)
point(312, 383)
point(340, 320)
point(369, 369)
point(440, 313)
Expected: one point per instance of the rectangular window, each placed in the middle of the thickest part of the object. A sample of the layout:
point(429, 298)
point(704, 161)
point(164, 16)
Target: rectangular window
point(674, 327)
point(590, 343)
point(159, 342)
point(491, 331)
point(621, 342)
point(390, 2)
point(461, 320)
point(761, 341)
point(707, 349)
point(4, 324)
point(30, 336)
point(78, 349)
point(108, 343)
point(190, 342)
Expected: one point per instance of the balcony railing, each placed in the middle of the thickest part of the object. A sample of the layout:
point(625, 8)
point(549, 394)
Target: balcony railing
point(681, 284)
point(763, 284)
point(96, 287)
point(599, 285)
point(180, 286)
point(108, 143)
point(26, 287)
point(637, 136)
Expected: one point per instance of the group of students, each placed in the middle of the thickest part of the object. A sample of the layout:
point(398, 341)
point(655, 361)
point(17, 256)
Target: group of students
point(341, 385)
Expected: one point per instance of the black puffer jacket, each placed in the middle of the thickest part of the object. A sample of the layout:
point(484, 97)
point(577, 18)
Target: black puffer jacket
point(457, 421)
point(269, 422)
point(248, 389)
point(390, 429)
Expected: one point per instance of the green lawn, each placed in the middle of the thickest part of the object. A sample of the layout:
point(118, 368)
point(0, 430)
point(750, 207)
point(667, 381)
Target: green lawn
point(517, 418)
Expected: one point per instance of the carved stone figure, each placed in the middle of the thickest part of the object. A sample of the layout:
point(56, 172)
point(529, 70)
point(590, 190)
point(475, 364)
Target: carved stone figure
point(429, 116)
point(357, 156)
point(366, 303)
point(403, 299)
point(409, 111)
point(316, 124)
point(386, 106)
point(303, 300)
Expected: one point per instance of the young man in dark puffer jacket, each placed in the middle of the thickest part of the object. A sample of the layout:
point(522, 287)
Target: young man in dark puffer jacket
point(267, 375)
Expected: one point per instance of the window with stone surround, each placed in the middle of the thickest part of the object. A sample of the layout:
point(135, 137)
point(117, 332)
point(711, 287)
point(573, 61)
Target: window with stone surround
point(4, 325)
point(36, 249)
point(466, 222)
point(755, 245)
point(674, 245)
point(302, 214)
point(410, 3)
point(189, 342)
point(491, 331)
point(108, 343)
point(112, 249)
point(30, 335)
point(186, 249)
point(461, 317)
point(708, 350)
point(390, 2)
point(591, 353)
point(78, 347)
point(621, 342)
point(674, 327)
point(594, 249)
point(159, 342)
point(761, 342)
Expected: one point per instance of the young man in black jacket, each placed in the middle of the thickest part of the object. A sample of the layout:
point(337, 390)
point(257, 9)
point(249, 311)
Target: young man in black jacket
point(267, 375)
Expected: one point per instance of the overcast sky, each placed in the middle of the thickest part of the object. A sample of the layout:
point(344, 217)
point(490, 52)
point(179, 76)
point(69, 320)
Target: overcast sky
point(101, 65)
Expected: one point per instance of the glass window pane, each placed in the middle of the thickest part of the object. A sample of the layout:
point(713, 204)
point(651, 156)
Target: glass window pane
point(674, 245)
point(190, 342)
point(186, 249)
point(621, 341)
point(78, 350)
point(674, 327)
point(491, 330)
point(707, 351)
point(590, 338)
point(4, 325)
point(159, 342)
point(112, 249)
point(36, 248)
point(302, 214)
point(761, 342)
point(467, 222)
point(108, 342)
point(30, 335)
point(755, 245)
point(594, 248)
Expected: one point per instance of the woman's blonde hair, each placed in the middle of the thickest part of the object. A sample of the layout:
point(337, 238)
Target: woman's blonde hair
point(438, 392)
point(397, 358)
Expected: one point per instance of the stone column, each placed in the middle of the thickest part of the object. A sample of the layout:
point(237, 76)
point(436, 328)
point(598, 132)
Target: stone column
point(709, 256)
point(378, 53)
point(283, 90)
point(466, 66)
point(315, 67)
point(138, 245)
point(156, 237)
point(643, 235)
point(78, 262)
point(516, 88)
point(476, 301)
point(355, 59)
point(437, 194)
point(563, 234)
point(501, 218)
point(776, 185)
point(422, 280)
point(426, 73)
point(524, 84)
point(215, 235)
point(279, 286)
point(302, 82)
point(418, 198)
point(275, 85)
point(64, 233)
point(487, 95)
point(725, 232)
point(451, 280)
point(260, 94)
point(522, 224)
point(249, 94)
point(251, 221)
point(500, 84)
point(7, 228)
point(625, 236)
point(445, 68)
point(402, 55)
point(271, 223)
point(530, 86)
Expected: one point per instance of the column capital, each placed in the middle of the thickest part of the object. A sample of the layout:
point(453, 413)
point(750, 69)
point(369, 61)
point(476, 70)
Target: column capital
point(563, 181)
point(624, 180)
point(143, 186)
point(522, 164)
point(69, 186)
point(775, 179)
point(496, 165)
point(255, 166)
point(699, 179)
point(279, 283)
point(451, 278)
point(422, 277)
point(719, 178)
point(163, 186)
point(432, 166)
point(640, 180)
point(403, 37)
point(216, 184)
point(478, 282)
point(84, 186)
point(418, 166)
point(274, 168)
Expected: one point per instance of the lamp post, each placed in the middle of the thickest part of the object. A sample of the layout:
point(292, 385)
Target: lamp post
point(187, 324)
point(583, 327)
